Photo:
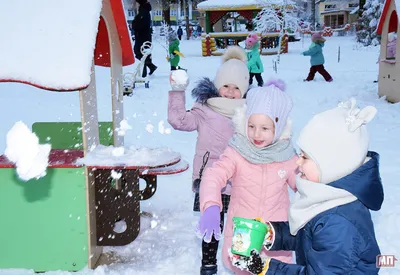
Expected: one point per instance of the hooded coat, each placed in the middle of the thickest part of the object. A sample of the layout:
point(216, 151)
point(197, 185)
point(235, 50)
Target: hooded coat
point(258, 190)
point(254, 63)
point(315, 52)
point(141, 26)
point(340, 240)
point(214, 130)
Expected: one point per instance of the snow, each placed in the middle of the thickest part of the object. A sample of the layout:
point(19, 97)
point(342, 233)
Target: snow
point(167, 243)
point(53, 51)
point(123, 127)
point(111, 156)
point(226, 4)
point(23, 149)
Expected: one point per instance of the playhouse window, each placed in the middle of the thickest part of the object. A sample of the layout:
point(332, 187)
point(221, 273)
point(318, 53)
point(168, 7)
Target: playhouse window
point(392, 37)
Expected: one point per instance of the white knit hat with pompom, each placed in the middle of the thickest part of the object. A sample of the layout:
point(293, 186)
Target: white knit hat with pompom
point(233, 69)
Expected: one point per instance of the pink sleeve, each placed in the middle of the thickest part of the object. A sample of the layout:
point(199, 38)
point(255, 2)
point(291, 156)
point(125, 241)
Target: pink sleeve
point(293, 171)
point(215, 178)
point(178, 117)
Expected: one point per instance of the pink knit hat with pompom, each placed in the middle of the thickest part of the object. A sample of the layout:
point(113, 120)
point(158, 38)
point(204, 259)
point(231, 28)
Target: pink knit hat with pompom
point(251, 40)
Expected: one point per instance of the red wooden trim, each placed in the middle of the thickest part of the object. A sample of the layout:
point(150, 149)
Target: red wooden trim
point(57, 159)
point(383, 16)
point(137, 167)
point(45, 88)
point(102, 50)
point(166, 171)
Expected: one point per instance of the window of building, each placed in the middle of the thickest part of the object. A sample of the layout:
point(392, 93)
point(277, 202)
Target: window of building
point(353, 5)
point(330, 6)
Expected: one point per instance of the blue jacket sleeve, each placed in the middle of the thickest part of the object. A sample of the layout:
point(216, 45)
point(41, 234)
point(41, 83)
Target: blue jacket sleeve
point(334, 250)
point(283, 239)
point(311, 51)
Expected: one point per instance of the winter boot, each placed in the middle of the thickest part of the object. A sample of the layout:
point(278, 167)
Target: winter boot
point(208, 270)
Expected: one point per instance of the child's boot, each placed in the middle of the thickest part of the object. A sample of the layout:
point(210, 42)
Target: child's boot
point(208, 270)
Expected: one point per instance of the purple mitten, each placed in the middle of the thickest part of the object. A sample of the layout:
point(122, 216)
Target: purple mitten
point(210, 223)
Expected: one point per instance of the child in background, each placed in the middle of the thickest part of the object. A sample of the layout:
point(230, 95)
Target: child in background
point(330, 226)
point(260, 162)
point(173, 50)
point(211, 117)
point(254, 63)
point(317, 58)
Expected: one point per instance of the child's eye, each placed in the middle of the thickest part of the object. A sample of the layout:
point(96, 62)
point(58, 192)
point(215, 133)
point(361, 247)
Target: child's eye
point(265, 128)
point(225, 86)
point(251, 126)
point(237, 88)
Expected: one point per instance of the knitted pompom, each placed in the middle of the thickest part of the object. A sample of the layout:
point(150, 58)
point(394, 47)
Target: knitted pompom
point(234, 52)
point(279, 83)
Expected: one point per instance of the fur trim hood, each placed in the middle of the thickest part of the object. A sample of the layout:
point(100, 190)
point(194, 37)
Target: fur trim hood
point(205, 89)
point(239, 123)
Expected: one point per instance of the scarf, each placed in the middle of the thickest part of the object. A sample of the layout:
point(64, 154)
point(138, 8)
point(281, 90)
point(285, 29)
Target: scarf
point(313, 198)
point(280, 151)
point(225, 106)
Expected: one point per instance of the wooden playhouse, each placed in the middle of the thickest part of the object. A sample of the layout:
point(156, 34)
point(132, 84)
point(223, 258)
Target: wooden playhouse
point(215, 40)
point(62, 220)
point(389, 69)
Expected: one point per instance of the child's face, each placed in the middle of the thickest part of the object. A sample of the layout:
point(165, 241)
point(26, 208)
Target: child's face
point(230, 91)
point(308, 168)
point(260, 130)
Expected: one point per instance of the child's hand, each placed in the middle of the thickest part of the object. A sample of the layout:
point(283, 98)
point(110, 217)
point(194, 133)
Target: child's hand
point(179, 80)
point(255, 264)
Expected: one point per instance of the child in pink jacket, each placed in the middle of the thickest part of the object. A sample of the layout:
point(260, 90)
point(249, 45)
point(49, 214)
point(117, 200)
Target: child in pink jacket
point(260, 162)
point(211, 117)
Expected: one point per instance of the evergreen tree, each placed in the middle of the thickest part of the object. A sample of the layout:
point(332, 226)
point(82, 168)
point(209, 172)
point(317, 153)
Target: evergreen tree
point(368, 23)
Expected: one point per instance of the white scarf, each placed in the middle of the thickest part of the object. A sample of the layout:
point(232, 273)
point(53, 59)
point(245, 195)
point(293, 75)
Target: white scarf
point(225, 106)
point(313, 198)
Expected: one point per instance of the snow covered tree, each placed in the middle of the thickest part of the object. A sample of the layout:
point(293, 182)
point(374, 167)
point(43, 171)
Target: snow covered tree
point(276, 16)
point(368, 23)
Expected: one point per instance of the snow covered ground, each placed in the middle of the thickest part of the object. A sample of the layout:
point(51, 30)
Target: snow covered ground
point(167, 243)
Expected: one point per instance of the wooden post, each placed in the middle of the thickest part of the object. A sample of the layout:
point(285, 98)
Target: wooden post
point(208, 22)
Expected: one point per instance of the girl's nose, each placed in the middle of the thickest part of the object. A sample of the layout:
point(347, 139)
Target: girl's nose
point(299, 161)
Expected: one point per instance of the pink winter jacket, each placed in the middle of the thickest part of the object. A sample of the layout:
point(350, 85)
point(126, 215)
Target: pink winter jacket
point(214, 130)
point(258, 191)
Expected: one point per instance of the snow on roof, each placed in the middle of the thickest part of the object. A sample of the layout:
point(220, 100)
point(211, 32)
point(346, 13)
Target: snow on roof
point(237, 4)
point(48, 43)
point(216, 4)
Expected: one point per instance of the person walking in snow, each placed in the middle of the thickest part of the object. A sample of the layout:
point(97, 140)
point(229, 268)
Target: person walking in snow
point(317, 58)
point(173, 50)
point(180, 33)
point(141, 26)
point(254, 63)
point(260, 162)
point(211, 117)
point(330, 226)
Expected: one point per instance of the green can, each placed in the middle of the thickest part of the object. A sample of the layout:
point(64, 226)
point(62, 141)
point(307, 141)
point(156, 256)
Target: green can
point(247, 235)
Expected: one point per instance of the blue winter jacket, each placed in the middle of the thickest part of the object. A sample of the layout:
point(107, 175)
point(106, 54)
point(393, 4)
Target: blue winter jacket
point(315, 51)
point(340, 240)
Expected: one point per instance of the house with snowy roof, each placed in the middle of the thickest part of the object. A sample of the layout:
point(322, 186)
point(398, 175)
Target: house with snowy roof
point(389, 69)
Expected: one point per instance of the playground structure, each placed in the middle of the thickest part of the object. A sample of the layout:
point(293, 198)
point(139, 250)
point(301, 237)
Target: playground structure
point(62, 220)
point(327, 31)
point(213, 43)
point(389, 69)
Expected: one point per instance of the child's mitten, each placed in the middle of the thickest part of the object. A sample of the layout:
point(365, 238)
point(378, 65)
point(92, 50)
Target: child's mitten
point(209, 224)
point(255, 264)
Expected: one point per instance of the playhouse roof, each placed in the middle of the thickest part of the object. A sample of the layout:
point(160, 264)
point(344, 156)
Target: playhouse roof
point(229, 5)
point(384, 14)
point(51, 44)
